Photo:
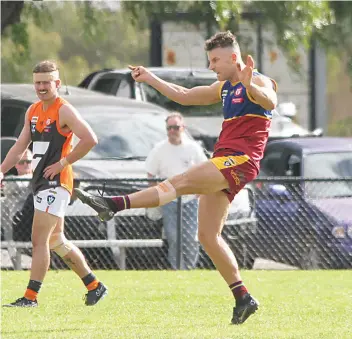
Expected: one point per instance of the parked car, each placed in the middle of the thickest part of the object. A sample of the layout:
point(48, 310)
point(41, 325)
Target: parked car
point(124, 144)
point(127, 130)
point(16, 98)
point(301, 222)
point(204, 122)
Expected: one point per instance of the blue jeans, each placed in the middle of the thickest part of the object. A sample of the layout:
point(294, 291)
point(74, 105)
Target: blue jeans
point(190, 245)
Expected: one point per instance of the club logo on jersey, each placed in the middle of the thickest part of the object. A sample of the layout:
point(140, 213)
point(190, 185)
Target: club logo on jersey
point(47, 127)
point(238, 91)
point(39, 199)
point(50, 199)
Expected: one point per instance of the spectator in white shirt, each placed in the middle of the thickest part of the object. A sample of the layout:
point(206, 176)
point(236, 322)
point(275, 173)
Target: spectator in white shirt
point(168, 158)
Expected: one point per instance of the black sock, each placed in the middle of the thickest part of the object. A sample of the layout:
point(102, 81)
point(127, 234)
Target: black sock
point(88, 279)
point(34, 285)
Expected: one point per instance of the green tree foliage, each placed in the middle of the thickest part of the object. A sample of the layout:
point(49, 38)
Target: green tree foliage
point(295, 22)
point(88, 35)
point(80, 36)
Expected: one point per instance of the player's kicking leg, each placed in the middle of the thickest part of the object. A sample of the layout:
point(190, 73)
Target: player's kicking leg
point(202, 179)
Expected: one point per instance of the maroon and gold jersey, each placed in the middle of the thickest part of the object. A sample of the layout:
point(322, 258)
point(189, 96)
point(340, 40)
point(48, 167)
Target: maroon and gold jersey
point(246, 124)
point(50, 144)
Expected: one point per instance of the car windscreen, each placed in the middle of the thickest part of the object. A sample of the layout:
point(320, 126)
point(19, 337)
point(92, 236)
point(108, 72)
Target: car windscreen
point(122, 135)
point(328, 165)
point(156, 97)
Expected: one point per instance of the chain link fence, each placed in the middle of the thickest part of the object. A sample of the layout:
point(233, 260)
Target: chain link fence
point(304, 223)
point(292, 221)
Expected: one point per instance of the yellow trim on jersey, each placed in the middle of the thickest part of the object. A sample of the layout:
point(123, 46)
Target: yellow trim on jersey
point(229, 161)
point(257, 116)
point(248, 115)
point(235, 83)
point(231, 118)
point(220, 88)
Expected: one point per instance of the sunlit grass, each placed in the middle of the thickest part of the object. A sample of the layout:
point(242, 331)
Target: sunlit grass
point(185, 304)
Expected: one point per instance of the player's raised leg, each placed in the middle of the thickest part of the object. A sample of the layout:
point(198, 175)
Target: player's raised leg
point(201, 179)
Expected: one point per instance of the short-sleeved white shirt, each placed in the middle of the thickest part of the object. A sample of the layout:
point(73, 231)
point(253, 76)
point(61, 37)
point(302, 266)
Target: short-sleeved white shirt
point(167, 160)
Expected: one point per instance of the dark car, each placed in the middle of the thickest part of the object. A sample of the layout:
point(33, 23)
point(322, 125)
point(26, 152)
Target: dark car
point(16, 98)
point(304, 218)
point(203, 122)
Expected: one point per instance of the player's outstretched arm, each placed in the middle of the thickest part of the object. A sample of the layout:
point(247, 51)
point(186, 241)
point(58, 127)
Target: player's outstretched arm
point(200, 95)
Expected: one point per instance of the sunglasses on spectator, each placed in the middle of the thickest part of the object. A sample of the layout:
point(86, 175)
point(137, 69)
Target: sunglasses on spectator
point(22, 162)
point(174, 127)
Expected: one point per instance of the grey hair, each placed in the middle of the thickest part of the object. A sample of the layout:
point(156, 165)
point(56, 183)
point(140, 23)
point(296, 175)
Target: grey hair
point(175, 115)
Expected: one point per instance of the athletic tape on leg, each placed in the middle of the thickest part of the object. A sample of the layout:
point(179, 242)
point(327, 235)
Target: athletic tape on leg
point(60, 244)
point(166, 192)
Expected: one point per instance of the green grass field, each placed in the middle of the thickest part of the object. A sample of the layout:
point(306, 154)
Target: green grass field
point(185, 304)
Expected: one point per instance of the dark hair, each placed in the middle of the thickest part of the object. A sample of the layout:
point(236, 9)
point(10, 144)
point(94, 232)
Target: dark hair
point(223, 40)
point(45, 66)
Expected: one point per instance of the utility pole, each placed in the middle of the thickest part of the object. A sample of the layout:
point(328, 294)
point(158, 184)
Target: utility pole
point(156, 37)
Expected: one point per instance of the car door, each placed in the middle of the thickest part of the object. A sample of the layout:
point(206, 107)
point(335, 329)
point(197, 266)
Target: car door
point(285, 195)
point(271, 196)
point(277, 207)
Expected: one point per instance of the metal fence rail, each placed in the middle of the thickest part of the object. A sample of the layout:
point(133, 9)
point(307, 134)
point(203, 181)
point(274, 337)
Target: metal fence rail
point(305, 223)
point(118, 248)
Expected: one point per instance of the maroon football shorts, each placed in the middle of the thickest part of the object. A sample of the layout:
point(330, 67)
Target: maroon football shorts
point(237, 167)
